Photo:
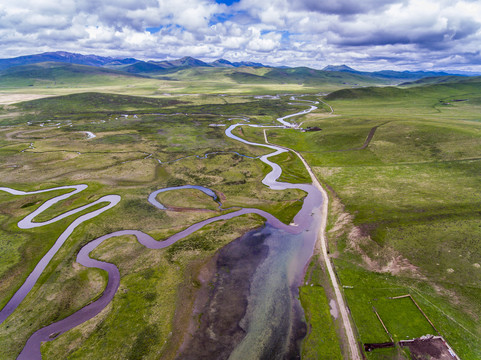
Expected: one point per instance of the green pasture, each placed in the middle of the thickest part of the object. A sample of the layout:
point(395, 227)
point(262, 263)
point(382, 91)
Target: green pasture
point(415, 192)
point(323, 331)
point(364, 289)
point(402, 318)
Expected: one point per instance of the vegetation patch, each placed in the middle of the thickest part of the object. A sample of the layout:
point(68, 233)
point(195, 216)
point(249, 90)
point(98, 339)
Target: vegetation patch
point(321, 341)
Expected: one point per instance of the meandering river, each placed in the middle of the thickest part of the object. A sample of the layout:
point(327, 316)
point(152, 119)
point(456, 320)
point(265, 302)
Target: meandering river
point(272, 311)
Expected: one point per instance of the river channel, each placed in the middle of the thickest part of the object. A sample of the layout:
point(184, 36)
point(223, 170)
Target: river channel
point(269, 323)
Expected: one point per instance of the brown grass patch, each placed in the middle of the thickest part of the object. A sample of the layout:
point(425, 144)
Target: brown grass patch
point(6, 99)
point(381, 259)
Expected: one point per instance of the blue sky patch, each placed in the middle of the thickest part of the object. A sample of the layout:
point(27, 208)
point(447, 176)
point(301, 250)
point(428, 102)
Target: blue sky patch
point(227, 2)
point(154, 30)
point(220, 18)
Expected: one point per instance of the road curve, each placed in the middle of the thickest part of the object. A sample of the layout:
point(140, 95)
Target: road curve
point(330, 107)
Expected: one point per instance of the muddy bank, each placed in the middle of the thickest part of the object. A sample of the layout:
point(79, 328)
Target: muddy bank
point(223, 299)
point(231, 295)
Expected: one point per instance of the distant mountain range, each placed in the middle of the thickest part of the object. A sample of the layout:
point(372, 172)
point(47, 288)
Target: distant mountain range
point(127, 64)
point(395, 74)
point(55, 65)
point(64, 57)
point(139, 66)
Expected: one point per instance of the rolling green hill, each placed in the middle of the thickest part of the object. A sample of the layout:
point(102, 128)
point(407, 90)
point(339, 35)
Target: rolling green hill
point(309, 76)
point(265, 75)
point(192, 75)
point(438, 88)
point(442, 80)
point(95, 102)
point(54, 74)
point(143, 67)
point(57, 74)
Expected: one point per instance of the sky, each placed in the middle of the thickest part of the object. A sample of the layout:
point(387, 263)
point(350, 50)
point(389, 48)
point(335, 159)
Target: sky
point(364, 34)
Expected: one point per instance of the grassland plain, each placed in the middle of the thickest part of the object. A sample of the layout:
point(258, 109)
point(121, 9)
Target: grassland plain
point(141, 144)
point(405, 216)
point(414, 186)
point(63, 79)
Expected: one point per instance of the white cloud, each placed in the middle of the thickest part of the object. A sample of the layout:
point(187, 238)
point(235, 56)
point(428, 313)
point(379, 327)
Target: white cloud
point(392, 33)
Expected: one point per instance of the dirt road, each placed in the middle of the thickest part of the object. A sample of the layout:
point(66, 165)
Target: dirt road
point(322, 243)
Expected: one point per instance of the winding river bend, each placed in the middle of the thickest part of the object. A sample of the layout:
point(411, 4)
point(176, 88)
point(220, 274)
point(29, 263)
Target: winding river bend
point(27, 223)
point(272, 311)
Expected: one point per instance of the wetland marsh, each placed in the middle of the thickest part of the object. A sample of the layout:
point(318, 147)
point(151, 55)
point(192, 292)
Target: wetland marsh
point(403, 218)
point(287, 258)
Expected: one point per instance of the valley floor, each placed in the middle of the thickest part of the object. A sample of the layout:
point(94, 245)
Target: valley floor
point(402, 248)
